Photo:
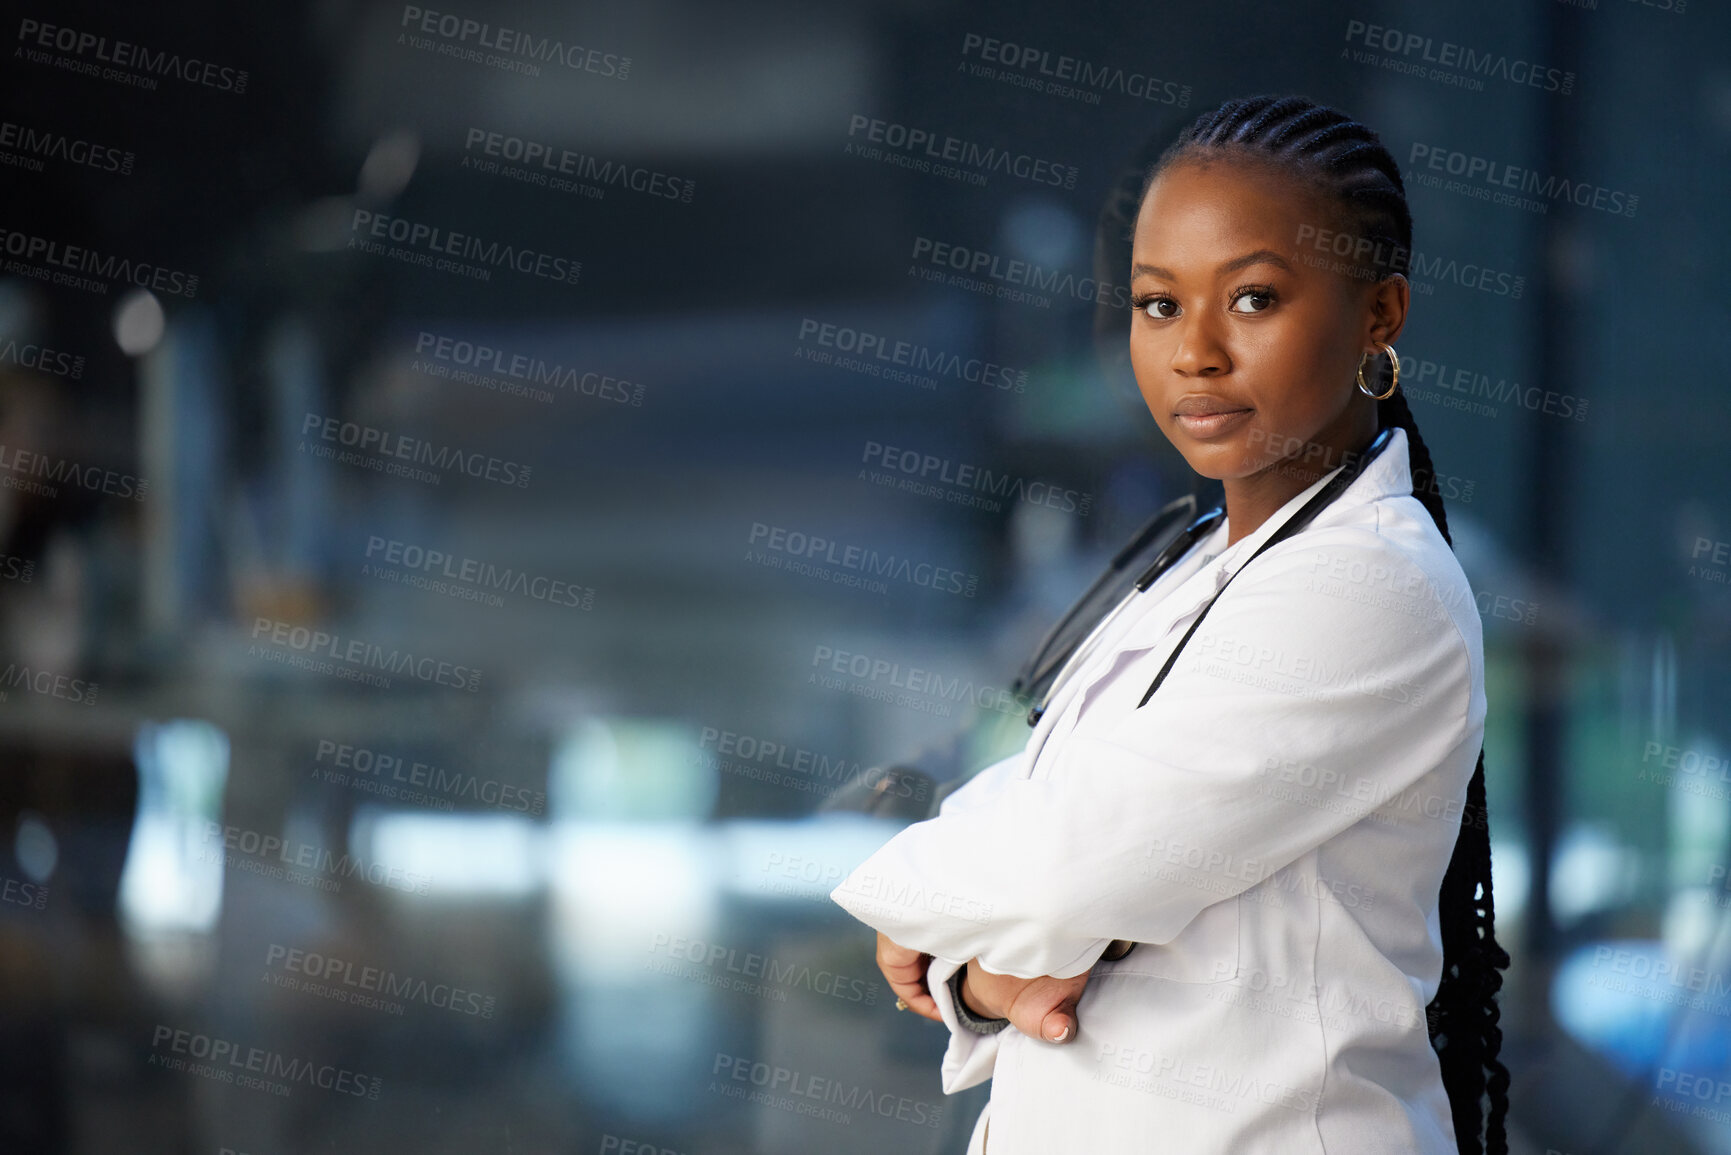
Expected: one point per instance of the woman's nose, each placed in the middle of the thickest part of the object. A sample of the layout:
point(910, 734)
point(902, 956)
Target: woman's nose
point(1199, 352)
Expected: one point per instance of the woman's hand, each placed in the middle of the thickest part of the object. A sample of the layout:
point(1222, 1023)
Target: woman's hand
point(905, 969)
point(1042, 1008)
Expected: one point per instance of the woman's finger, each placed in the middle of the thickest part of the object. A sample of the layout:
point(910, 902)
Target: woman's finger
point(1046, 1008)
point(917, 997)
point(905, 971)
point(900, 963)
point(919, 1002)
point(1041, 1008)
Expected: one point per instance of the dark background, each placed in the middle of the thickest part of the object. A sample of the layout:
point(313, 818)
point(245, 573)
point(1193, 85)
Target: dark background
point(639, 768)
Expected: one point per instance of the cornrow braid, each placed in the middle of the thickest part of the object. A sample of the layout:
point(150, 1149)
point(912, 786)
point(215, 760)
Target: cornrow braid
point(1333, 154)
point(1329, 151)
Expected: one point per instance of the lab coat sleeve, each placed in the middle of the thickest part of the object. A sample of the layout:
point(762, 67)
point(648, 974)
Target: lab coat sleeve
point(983, 784)
point(1329, 677)
point(970, 1057)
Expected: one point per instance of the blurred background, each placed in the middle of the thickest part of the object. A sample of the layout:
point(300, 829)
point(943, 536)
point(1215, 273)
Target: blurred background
point(483, 491)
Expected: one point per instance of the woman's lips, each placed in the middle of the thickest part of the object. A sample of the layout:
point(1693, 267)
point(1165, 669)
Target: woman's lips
point(1206, 425)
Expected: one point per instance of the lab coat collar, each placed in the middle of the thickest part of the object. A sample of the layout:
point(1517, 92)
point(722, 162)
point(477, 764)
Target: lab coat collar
point(1389, 475)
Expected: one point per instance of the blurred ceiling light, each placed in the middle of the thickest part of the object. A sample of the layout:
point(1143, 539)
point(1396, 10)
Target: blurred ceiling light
point(138, 322)
point(35, 847)
point(454, 855)
point(389, 165)
point(615, 885)
point(1591, 871)
point(171, 882)
point(630, 770)
point(798, 860)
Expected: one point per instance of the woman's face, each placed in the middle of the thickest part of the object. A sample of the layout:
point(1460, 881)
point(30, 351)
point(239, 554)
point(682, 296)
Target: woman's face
point(1245, 354)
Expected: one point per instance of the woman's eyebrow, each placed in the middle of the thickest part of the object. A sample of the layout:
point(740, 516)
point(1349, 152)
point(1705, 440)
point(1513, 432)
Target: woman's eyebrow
point(1257, 257)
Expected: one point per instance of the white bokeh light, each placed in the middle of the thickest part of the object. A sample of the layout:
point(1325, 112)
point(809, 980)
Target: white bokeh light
point(138, 322)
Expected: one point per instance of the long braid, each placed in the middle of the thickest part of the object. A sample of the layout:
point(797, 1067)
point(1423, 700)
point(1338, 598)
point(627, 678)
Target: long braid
point(1465, 1005)
point(1337, 155)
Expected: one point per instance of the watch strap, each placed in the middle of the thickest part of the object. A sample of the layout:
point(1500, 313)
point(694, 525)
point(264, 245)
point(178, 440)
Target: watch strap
point(967, 1018)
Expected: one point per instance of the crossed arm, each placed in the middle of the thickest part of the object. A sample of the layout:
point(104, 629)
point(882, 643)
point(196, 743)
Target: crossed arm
point(1043, 1007)
point(1187, 800)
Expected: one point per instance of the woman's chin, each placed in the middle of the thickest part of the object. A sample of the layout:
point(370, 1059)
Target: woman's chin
point(1217, 462)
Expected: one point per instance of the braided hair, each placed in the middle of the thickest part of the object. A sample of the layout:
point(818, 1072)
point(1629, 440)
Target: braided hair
point(1328, 152)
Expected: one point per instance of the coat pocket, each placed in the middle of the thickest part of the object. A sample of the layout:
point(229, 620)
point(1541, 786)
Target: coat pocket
point(1205, 951)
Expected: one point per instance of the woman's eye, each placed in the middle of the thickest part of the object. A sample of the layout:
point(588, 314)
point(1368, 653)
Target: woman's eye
point(1265, 298)
point(1153, 307)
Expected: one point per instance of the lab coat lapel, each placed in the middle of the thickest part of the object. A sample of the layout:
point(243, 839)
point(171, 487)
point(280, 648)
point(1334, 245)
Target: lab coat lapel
point(1175, 612)
point(1175, 609)
point(1177, 605)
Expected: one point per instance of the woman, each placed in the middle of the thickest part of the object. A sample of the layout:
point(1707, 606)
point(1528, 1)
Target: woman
point(1213, 918)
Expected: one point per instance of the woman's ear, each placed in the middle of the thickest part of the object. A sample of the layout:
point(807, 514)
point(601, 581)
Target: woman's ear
point(1390, 299)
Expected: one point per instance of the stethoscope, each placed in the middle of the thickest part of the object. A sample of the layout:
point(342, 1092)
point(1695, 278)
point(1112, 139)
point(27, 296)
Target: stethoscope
point(1056, 661)
point(1061, 652)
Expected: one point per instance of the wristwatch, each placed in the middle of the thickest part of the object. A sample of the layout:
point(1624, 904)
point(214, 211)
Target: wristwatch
point(966, 1017)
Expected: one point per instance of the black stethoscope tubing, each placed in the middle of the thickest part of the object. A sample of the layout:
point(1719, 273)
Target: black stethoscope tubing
point(1048, 657)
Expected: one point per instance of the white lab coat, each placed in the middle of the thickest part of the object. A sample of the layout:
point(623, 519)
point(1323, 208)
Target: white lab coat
point(1271, 830)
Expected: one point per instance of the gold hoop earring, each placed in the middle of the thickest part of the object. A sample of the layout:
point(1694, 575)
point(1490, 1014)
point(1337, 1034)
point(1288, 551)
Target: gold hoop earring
point(1392, 385)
